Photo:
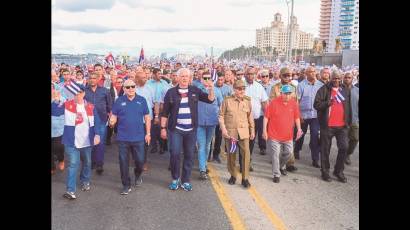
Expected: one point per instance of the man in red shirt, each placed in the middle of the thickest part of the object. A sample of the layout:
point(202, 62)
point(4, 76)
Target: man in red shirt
point(332, 103)
point(280, 117)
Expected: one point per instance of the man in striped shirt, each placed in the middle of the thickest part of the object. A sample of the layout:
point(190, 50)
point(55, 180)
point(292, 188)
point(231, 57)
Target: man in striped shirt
point(180, 114)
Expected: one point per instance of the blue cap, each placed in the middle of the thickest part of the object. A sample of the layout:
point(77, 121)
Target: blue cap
point(286, 89)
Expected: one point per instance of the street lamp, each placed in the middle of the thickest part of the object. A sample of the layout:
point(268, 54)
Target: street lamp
point(289, 52)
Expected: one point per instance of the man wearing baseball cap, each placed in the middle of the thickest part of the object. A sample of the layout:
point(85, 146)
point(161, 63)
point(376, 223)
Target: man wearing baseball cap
point(280, 117)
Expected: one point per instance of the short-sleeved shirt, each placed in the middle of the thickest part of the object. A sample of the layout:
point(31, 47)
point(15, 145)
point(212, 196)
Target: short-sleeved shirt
point(258, 95)
point(281, 119)
point(130, 116)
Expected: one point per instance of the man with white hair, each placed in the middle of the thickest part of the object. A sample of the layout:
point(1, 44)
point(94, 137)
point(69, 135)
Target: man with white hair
point(180, 116)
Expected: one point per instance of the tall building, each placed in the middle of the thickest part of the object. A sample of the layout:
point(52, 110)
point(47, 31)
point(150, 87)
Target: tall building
point(339, 19)
point(276, 36)
point(325, 20)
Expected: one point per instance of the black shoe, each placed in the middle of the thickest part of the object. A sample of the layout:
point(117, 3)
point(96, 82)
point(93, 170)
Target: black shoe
point(291, 168)
point(276, 179)
point(100, 169)
point(217, 160)
point(250, 168)
point(315, 164)
point(297, 156)
point(263, 152)
point(154, 150)
point(283, 172)
point(203, 175)
point(340, 177)
point(326, 177)
point(246, 183)
point(161, 151)
point(232, 180)
point(347, 160)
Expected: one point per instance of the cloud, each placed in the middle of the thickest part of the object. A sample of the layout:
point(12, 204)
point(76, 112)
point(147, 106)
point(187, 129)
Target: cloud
point(247, 3)
point(87, 28)
point(81, 5)
point(199, 29)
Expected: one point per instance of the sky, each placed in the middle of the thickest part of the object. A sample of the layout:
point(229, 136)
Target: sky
point(171, 26)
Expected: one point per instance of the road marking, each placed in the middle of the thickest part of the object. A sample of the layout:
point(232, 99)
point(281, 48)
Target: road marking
point(276, 221)
point(233, 215)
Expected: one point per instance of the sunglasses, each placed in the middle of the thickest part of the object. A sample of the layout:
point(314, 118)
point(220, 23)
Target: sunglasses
point(265, 76)
point(129, 86)
point(206, 78)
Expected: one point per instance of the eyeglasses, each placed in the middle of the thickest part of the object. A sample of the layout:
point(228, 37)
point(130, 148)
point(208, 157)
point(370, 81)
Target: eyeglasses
point(206, 78)
point(129, 86)
point(240, 88)
point(265, 76)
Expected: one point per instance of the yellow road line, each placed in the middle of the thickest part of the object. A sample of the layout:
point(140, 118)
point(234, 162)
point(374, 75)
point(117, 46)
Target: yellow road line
point(233, 215)
point(276, 221)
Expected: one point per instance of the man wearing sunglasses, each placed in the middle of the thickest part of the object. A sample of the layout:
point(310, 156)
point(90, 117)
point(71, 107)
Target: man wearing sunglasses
point(131, 111)
point(332, 103)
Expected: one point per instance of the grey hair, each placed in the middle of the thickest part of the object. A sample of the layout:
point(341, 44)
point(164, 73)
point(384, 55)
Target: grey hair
point(335, 73)
point(179, 72)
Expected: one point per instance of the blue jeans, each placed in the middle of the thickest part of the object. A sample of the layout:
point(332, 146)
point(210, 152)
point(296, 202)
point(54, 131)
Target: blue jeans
point(314, 138)
point(204, 137)
point(73, 154)
point(182, 141)
point(98, 150)
point(137, 152)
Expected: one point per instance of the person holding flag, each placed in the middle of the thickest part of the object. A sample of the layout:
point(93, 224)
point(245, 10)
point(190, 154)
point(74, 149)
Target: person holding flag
point(332, 103)
point(238, 127)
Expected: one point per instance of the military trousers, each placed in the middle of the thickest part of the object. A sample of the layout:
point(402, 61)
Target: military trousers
point(243, 145)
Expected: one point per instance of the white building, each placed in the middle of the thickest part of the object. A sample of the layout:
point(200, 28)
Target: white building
point(276, 36)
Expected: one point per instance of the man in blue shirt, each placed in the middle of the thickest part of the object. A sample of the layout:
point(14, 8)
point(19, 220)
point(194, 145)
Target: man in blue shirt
point(207, 121)
point(159, 85)
point(307, 90)
point(100, 97)
point(131, 110)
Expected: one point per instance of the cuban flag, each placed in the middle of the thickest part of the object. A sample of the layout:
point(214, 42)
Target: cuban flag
point(233, 145)
point(71, 87)
point(109, 60)
point(339, 97)
point(141, 55)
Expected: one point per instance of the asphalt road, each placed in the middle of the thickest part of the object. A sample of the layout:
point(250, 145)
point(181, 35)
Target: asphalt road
point(300, 201)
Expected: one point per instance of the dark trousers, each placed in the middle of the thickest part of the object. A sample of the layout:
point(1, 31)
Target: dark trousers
point(156, 137)
point(258, 134)
point(314, 138)
point(137, 151)
point(353, 138)
point(326, 135)
point(217, 144)
point(110, 131)
point(57, 151)
point(182, 141)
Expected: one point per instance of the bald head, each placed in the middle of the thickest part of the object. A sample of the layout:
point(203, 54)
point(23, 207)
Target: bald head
point(140, 78)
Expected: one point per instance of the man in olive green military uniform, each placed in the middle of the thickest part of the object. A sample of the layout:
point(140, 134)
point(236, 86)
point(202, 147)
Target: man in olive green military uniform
point(285, 79)
point(236, 123)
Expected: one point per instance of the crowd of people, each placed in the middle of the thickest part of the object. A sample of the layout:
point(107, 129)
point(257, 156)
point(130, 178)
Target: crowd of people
point(190, 108)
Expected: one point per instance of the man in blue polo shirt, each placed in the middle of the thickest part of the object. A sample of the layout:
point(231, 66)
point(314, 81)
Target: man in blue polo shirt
point(131, 110)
